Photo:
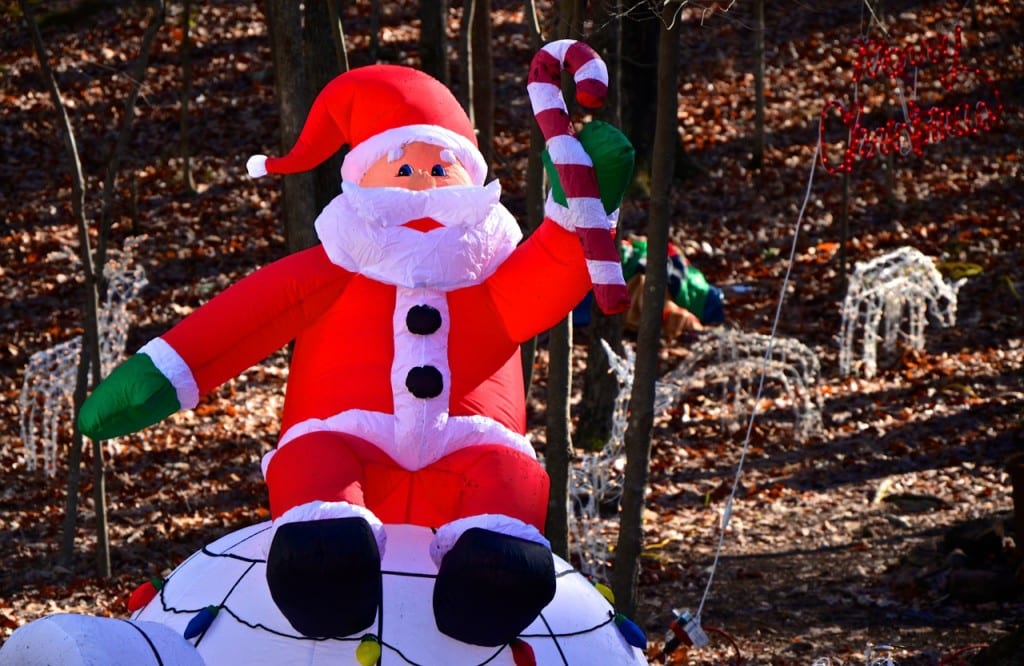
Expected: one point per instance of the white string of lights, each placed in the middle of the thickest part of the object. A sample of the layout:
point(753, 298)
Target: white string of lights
point(727, 512)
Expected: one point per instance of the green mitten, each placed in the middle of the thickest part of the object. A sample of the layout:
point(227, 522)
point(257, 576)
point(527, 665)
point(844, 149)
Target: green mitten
point(134, 396)
point(613, 156)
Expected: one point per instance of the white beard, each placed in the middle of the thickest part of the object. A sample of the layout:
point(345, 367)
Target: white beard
point(361, 232)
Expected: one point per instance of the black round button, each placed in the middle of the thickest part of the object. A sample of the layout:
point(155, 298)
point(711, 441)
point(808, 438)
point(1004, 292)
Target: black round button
point(424, 382)
point(423, 319)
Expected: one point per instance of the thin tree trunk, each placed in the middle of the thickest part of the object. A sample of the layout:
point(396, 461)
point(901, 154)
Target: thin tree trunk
point(614, 104)
point(483, 78)
point(757, 160)
point(89, 360)
point(374, 30)
point(600, 385)
point(558, 452)
point(187, 179)
point(534, 188)
point(322, 65)
point(434, 39)
point(85, 253)
point(91, 339)
point(638, 93)
point(465, 89)
point(844, 229)
point(641, 404)
point(284, 20)
point(334, 8)
point(124, 133)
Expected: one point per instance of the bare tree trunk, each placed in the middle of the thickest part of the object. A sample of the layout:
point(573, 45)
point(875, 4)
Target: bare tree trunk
point(534, 188)
point(465, 59)
point(138, 72)
point(641, 404)
point(374, 30)
point(757, 159)
point(322, 65)
point(92, 337)
point(640, 32)
point(600, 385)
point(85, 253)
point(482, 77)
point(284, 20)
point(844, 228)
point(89, 361)
point(434, 39)
point(187, 178)
point(334, 8)
point(559, 450)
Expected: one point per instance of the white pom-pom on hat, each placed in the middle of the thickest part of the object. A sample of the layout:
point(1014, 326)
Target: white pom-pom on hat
point(256, 166)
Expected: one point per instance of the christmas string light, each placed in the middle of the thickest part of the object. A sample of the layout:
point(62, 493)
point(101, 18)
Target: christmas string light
point(919, 127)
point(368, 650)
point(890, 298)
point(45, 403)
point(633, 634)
point(605, 591)
point(242, 558)
point(522, 653)
point(201, 621)
point(145, 593)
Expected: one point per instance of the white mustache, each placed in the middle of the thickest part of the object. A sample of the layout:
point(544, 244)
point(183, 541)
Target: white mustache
point(451, 206)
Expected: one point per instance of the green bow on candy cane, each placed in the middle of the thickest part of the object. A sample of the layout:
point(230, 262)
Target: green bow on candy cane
point(589, 178)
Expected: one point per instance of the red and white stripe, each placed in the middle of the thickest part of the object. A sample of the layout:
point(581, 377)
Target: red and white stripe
point(575, 169)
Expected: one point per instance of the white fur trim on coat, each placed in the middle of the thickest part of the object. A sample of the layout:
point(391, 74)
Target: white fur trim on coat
point(460, 432)
point(318, 510)
point(445, 537)
point(170, 363)
point(582, 213)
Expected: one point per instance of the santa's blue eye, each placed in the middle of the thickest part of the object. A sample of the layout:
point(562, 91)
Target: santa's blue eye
point(438, 171)
point(405, 170)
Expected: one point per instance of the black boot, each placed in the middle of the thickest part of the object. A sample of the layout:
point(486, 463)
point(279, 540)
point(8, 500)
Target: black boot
point(491, 586)
point(324, 576)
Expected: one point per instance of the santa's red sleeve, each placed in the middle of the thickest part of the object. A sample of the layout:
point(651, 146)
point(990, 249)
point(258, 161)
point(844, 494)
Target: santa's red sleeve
point(542, 280)
point(255, 317)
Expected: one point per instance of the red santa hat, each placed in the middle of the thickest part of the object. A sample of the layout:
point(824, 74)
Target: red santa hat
point(376, 110)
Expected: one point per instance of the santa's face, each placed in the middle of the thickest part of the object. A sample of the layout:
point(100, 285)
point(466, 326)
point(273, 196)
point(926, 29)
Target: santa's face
point(416, 220)
point(420, 166)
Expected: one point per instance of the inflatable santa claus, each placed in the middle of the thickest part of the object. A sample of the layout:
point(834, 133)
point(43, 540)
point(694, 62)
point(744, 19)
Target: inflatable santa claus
point(405, 398)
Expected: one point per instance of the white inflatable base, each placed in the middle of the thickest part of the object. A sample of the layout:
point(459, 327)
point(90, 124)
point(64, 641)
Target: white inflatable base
point(577, 627)
point(82, 640)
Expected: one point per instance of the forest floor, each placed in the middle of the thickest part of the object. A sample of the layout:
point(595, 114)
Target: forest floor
point(891, 525)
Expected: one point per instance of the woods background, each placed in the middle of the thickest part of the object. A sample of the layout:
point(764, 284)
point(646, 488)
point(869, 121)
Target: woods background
point(891, 526)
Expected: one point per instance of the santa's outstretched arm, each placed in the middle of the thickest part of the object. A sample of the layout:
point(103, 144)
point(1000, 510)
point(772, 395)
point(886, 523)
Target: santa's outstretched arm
point(548, 274)
point(239, 327)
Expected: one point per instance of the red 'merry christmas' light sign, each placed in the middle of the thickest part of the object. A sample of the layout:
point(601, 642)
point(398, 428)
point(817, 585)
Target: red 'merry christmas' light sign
point(918, 126)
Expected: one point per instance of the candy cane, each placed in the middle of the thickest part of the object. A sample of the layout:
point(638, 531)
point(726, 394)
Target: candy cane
point(575, 169)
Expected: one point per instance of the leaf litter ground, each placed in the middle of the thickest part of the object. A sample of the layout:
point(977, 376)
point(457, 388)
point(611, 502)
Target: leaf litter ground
point(880, 530)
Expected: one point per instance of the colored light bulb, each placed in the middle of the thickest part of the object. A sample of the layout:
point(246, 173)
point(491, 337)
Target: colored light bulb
point(201, 622)
point(522, 653)
point(633, 634)
point(368, 650)
point(144, 593)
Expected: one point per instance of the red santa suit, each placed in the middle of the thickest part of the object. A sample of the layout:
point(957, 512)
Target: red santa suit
point(360, 344)
point(405, 393)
